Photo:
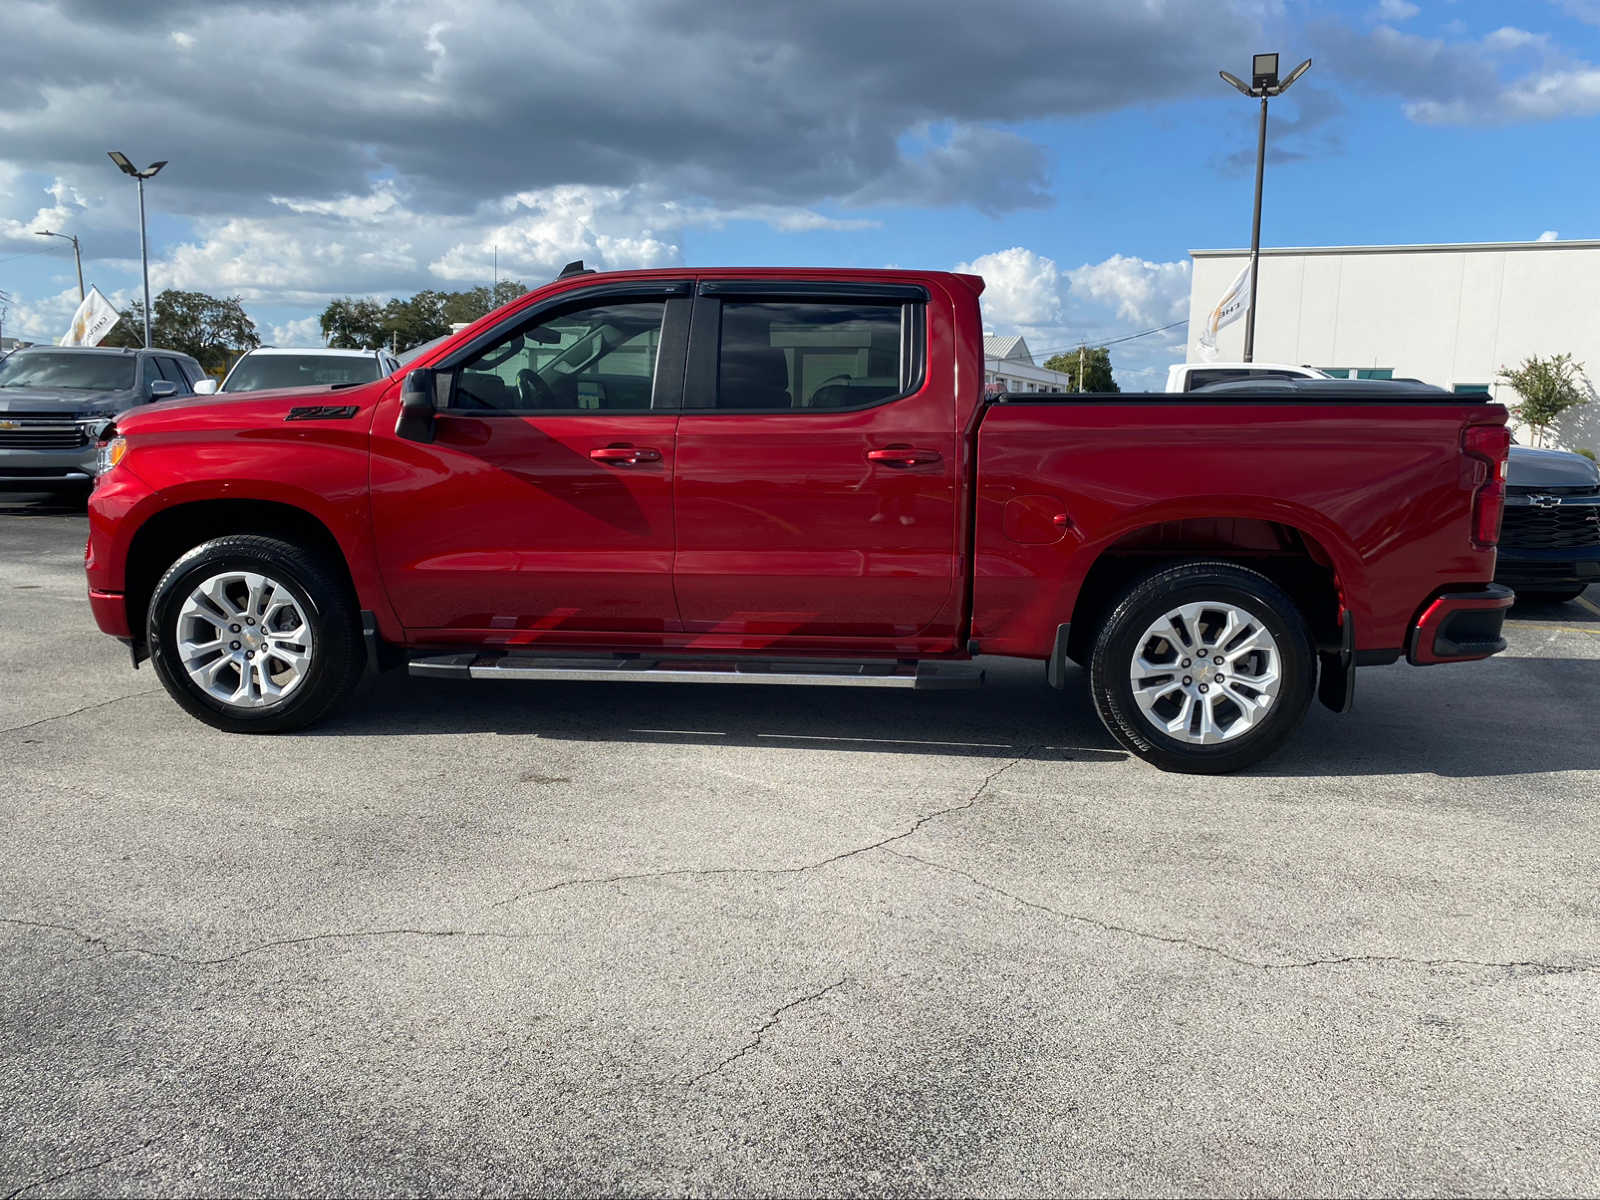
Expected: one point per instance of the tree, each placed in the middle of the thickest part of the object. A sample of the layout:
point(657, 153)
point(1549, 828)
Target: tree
point(211, 329)
point(1097, 375)
point(350, 324)
point(361, 324)
point(1548, 387)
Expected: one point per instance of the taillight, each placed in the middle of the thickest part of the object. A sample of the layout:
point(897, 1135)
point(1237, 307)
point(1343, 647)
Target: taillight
point(1491, 445)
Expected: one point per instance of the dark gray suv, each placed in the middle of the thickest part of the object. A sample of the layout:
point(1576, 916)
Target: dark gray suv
point(54, 398)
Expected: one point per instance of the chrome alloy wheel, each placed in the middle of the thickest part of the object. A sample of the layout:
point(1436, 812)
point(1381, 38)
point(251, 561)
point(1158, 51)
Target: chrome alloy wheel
point(1205, 673)
point(244, 639)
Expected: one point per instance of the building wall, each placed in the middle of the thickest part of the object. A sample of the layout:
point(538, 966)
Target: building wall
point(1447, 315)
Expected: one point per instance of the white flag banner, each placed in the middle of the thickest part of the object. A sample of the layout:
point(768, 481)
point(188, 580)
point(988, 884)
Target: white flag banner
point(1228, 310)
point(92, 321)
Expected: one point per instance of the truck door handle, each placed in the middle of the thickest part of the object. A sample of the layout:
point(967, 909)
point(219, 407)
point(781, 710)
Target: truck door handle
point(902, 456)
point(625, 456)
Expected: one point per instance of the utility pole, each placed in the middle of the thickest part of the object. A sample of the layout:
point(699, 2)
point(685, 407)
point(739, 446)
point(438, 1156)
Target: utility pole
point(77, 256)
point(1081, 349)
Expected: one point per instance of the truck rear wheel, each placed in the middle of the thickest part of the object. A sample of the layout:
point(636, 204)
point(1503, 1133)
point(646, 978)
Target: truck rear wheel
point(254, 635)
point(1203, 668)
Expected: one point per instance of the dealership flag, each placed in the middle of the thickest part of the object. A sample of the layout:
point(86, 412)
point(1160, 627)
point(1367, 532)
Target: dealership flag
point(1228, 310)
point(92, 321)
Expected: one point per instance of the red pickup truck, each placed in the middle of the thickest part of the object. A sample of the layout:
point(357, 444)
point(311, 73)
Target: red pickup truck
point(795, 476)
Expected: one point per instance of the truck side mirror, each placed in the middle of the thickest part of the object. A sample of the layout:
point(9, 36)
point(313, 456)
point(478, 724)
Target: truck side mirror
point(206, 387)
point(160, 389)
point(417, 408)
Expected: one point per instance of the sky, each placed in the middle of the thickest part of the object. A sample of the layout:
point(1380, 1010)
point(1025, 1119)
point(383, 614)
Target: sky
point(1070, 151)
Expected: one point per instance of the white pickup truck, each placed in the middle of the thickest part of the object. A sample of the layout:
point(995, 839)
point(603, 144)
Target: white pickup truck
point(1186, 377)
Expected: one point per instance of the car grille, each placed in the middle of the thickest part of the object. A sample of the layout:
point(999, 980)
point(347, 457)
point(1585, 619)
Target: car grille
point(1562, 527)
point(41, 435)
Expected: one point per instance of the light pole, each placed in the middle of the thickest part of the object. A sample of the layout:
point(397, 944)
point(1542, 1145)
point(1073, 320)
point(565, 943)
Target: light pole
point(77, 255)
point(1263, 83)
point(128, 168)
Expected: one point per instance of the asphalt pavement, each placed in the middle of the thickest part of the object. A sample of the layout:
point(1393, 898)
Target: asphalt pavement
point(510, 938)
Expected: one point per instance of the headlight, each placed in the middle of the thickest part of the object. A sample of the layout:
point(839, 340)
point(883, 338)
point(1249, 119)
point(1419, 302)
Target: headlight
point(110, 454)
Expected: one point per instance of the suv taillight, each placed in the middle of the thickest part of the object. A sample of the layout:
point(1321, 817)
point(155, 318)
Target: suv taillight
point(1491, 445)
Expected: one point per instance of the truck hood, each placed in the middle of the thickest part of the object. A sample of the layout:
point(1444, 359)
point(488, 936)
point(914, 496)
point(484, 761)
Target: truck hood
point(1549, 468)
point(65, 402)
point(242, 410)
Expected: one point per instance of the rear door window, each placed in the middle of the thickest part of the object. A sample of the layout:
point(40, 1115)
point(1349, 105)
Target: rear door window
point(805, 355)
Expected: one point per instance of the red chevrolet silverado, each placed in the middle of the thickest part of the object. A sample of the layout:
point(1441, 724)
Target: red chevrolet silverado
point(795, 476)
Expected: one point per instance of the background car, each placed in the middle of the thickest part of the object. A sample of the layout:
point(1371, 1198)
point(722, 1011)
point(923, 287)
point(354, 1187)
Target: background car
point(272, 368)
point(1550, 536)
point(54, 399)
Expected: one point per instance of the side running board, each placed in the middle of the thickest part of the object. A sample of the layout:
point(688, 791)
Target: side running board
point(616, 668)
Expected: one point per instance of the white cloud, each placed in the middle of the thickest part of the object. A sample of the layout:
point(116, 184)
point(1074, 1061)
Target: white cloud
point(1549, 235)
point(1395, 10)
point(1542, 96)
point(1022, 288)
point(304, 332)
point(184, 41)
point(1509, 38)
point(1143, 293)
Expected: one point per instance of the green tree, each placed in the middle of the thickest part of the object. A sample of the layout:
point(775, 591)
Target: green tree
point(212, 329)
point(405, 322)
point(350, 324)
point(1548, 387)
point(1097, 375)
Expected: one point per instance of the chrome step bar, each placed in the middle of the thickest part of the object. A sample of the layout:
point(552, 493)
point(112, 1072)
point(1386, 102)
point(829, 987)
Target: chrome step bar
point(923, 676)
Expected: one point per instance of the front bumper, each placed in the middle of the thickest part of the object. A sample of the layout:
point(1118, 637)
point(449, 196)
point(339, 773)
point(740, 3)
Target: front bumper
point(110, 611)
point(32, 469)
point(1547, 570)
point(1461, 625)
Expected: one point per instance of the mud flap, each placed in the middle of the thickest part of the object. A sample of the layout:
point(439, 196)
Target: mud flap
point(1336, 681)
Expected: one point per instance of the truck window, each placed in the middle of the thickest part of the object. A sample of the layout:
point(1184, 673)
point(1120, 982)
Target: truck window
point(602, 358)
point(805, 355)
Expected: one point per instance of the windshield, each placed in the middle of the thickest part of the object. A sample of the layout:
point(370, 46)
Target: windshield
point(257, 372)
point(85, 372)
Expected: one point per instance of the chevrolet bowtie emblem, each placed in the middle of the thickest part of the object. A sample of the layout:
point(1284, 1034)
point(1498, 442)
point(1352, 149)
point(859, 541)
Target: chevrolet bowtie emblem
point(1536, 501)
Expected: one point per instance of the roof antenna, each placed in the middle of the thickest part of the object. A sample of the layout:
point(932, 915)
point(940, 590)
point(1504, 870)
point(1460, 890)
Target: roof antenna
point(575, 267)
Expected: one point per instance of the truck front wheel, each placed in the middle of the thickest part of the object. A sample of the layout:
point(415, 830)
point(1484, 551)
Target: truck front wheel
point(1203, 668)
point(254, 635)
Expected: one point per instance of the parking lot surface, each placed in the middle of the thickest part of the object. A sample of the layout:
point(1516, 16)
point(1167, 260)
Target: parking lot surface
point(504, 938)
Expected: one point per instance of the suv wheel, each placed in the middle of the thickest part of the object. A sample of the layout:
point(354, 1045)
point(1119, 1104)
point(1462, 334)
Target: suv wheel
point(254, 635)
point(1203, 668)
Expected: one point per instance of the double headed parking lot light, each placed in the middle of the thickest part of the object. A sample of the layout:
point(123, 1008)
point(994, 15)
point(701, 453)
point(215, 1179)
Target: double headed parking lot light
point(1263, 83)
point(127, 168)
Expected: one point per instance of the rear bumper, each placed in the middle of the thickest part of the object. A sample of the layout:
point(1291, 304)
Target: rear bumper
point(1460, 625)
point(110, 613)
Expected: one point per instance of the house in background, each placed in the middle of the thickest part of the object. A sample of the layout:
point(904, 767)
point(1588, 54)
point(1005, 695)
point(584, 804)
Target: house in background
point(1008, 367)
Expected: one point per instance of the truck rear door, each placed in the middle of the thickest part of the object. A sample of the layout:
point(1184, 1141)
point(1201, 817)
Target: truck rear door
point(817, 464)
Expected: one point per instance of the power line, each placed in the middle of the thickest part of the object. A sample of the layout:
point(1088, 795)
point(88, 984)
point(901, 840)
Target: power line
point(1094, 343)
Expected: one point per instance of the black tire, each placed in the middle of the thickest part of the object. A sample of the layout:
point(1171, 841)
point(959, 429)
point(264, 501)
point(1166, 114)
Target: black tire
point(338, 653)
point(1550, 595)
point(1145, 601)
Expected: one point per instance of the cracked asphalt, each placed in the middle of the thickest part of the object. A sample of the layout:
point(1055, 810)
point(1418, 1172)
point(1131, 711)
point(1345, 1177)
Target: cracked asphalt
point(511, 939)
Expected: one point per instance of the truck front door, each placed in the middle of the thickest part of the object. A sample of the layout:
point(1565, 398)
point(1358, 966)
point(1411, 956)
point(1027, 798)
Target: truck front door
point(542, 510)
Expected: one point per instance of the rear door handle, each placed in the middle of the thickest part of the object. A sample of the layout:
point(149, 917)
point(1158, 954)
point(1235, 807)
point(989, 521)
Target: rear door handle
point(625, 456)
point(903, 456)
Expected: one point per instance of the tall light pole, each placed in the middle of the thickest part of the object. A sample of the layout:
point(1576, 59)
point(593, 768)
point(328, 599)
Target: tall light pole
point(1263, 83)
point(128, 168)
point(77, 255)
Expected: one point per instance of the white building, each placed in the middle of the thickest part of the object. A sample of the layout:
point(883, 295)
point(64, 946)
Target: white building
point(1450, 315)
point(1008, 366)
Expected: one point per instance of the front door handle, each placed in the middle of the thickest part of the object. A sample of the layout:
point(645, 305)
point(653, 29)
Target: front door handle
point(903, 456)
point(625, 456)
